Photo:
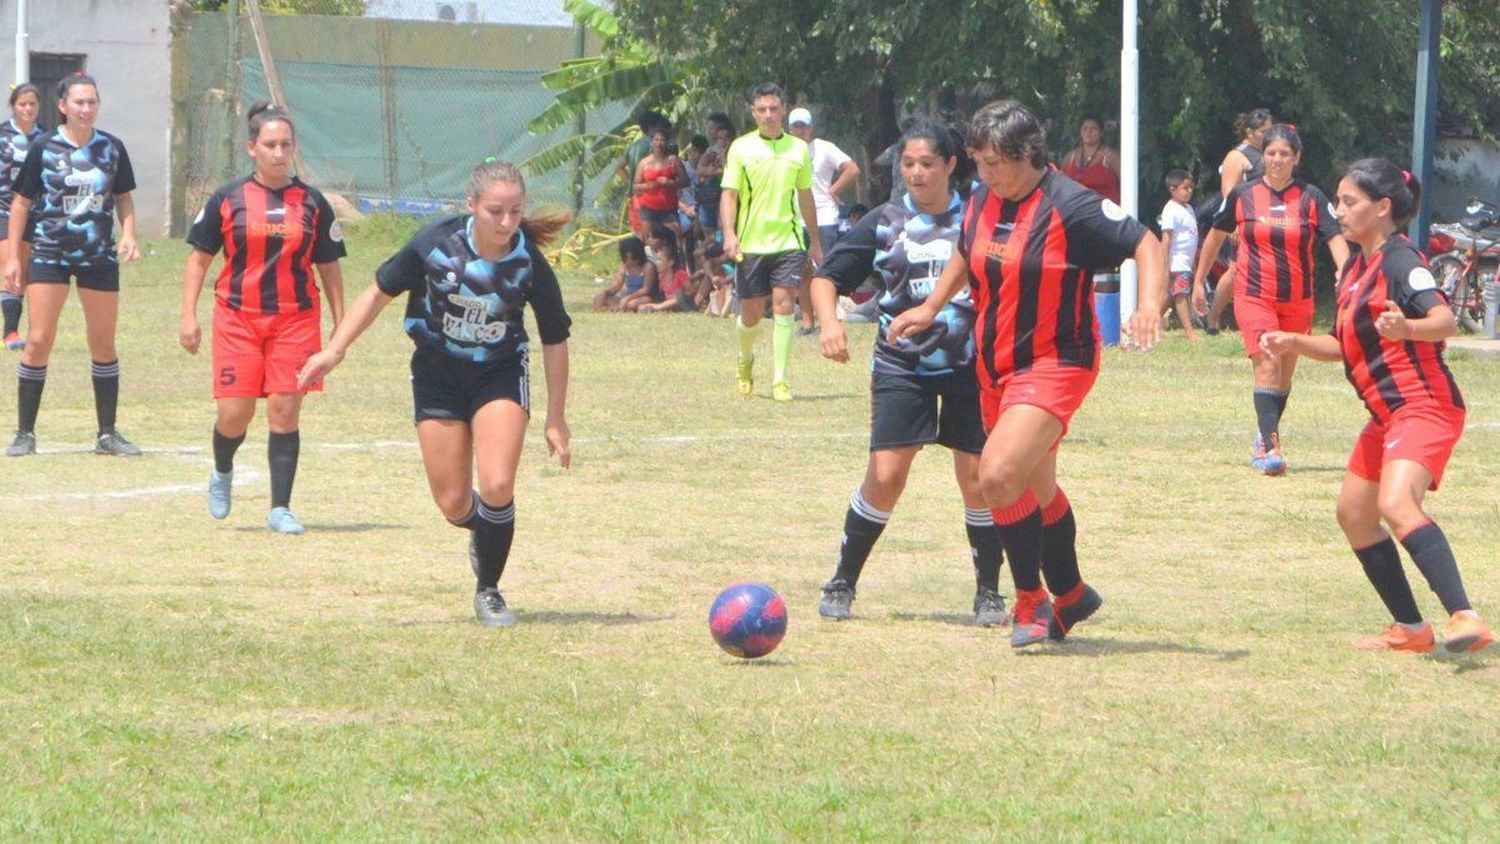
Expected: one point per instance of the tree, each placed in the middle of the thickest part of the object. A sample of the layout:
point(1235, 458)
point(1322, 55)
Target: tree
point(343, 8)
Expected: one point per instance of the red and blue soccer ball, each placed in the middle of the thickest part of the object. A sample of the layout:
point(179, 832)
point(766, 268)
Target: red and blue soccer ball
point(748, 620)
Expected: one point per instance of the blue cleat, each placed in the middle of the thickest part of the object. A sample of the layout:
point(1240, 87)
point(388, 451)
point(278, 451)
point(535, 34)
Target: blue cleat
point(1274, 463)
point(1258, 455)
point(281, 520)
point(219, 486)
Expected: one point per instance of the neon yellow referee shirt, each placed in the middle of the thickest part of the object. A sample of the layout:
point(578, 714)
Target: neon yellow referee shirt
point(767, 174)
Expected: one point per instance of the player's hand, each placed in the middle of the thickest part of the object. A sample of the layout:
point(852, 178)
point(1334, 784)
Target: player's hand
point(732, 248)
point(557, 434)
point(816, 254)
point(13, 277)
point(189, 334)
point(1200, 299)
point(1392, 324)
point(1144, 328)
point(1278, 342)
point(127, 250)
point(834, 343)
point(908, 322)
point(318, 366)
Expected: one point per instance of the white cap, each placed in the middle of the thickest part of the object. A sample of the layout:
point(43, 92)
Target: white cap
point(799, 115)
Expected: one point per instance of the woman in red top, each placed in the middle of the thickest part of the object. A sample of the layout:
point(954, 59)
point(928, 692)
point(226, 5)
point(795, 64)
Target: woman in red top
point(658, 177)
point(1278, 218)
point(1030, 241)
point(1389, 332)
point(1093, 163)
point(273, 230)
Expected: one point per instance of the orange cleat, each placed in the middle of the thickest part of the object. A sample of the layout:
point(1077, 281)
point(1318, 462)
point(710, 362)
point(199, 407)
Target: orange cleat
point(1466, 632)
point(1398, 638)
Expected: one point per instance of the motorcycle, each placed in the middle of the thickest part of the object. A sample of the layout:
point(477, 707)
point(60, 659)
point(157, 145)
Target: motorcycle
point(1467, 260)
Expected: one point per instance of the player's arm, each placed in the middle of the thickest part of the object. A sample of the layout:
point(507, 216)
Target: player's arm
point(189, 334)
point(1166, 248)
point(361, 314)
point(1145, 324)
point(1436, 326)
point(844, 268)
point(1232, 171)
point(125, 209)
point(848, 174)
point(1339, 249)
point(20, 210)
point(1324, 347)
point(1208, 252)
point(729, 207)
point(555, 361)
point(918, 317)
point(810, 222)
point(331, 275)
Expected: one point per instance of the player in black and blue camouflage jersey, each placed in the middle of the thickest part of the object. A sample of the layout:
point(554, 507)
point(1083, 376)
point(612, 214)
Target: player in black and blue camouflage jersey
point(922, 390)
point(16, 135)
point(469, 279)
point(72, 184)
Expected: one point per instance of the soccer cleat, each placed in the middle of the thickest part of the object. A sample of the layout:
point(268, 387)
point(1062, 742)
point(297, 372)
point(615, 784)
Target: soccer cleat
point(781, 392)
point(1064, 616)
point(14, 341)
point(807, 331)
point(281, 520)
point(25, 443)
point(1397, 638)
point(989, 608)
point(837, 596)
point(744, 377)
point(1032, 617)
point(1273, 463)
point(1466, 632)
point(490, 609)
point(219, 486)
point(1258, 455)
point(114, 443)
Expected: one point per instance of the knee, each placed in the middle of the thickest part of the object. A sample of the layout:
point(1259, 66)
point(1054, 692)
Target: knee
point(282, 419)
point(1001, 486)
point(497, 492)
point(1353, 519)
point(454, 503)
point(1400, 511)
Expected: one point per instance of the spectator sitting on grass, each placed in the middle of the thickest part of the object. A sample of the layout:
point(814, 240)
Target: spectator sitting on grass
point(635, 274)
point(676, 285)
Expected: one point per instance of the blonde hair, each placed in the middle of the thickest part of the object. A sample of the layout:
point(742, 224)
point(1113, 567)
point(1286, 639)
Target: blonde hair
point(541, 229)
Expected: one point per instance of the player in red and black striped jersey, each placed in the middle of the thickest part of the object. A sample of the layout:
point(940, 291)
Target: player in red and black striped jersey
point(1279, 218)
point(1030, 243)
point(1389, 332)
point(274, 230)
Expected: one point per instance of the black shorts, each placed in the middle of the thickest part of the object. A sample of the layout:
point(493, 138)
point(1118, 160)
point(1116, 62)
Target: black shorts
point(444, 387)
point(102, 277)
point(650, 216)
point(757, 274)
point(907, 410)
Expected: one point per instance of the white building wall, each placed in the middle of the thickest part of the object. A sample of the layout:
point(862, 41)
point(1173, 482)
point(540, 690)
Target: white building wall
point(128, 48)
point(513, 12)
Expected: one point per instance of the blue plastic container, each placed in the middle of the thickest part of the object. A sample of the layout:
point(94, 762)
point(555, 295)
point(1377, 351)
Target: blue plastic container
point(1107, 306)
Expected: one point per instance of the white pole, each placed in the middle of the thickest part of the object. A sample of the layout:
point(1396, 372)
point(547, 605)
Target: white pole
point(1130, 144)
point(23, 49)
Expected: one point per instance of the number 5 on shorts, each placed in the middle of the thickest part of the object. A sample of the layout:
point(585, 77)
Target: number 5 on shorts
point(227, 377)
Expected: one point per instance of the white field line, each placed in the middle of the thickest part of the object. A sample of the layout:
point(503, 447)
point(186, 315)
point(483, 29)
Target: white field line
point(242, 477)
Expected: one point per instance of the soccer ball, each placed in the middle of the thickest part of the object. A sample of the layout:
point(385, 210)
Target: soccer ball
point(748, 620)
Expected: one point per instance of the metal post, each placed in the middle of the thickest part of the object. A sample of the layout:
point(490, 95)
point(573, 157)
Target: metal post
point(235, 89)
point(580, 126)
point(1424, 125)
point(23, 46)
point(1130, 143)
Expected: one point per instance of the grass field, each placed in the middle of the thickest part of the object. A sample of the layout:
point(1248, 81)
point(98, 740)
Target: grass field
point(163, 675)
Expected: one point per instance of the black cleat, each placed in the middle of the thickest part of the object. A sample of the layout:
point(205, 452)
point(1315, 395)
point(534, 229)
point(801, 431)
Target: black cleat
point(1063, 618)
point(490, 609)
point(989, 608)
point(25, 444)
point(112, 442)
point(837, 596)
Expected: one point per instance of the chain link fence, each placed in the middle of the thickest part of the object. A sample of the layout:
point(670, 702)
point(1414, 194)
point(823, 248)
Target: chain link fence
point(394, 100)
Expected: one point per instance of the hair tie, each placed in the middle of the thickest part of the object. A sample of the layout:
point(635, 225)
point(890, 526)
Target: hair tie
point(1406, 177)
point(1292, 126)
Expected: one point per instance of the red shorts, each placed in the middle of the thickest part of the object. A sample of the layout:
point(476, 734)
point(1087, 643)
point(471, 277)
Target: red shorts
point(1182, 284)
point(1257, 316)
point(1423, 435)
point(1059, 390)
point(259, 354)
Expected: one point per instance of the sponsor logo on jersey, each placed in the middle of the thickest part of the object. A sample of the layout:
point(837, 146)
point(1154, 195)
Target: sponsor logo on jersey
point(1113, 211)
point(1421, 279)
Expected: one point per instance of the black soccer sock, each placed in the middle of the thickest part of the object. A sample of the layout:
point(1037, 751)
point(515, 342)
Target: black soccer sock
point(1268, 406)
point(863, 525)
point(106, 393)
point(1430, 550)
point(1382, 564)
point(984, 547)
point(224, 449)
point(1281, 398)
point(494, 529)
point(11, 307)
point(29, 383)
point(466, 521)
point(282, 451)
point(1059, 545)
point(1020, 527)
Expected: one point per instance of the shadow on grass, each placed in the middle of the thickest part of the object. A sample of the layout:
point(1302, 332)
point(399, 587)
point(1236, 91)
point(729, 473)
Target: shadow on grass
point(1096, 647)
point(354, 527)
point(1463, 663)
point(760, 662)
point(800, 397)
point(956, 619)
point(604, 619)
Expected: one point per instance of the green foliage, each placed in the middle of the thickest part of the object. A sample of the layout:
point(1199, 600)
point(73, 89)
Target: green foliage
point(343, 8)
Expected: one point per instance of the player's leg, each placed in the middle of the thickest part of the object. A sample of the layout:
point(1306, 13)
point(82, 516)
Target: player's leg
point(869, 511)
point(499, 433)
point(1223, 298)
point(752, 283)
point(1359, 518)
point(1185, 316)
point(45, 297)
point(239, 367)
point(283, 450)
point(783, 303)
point(1018, 443)
point(961, 430)
point(234, 413)
point(99, 293)
point(10, 303)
